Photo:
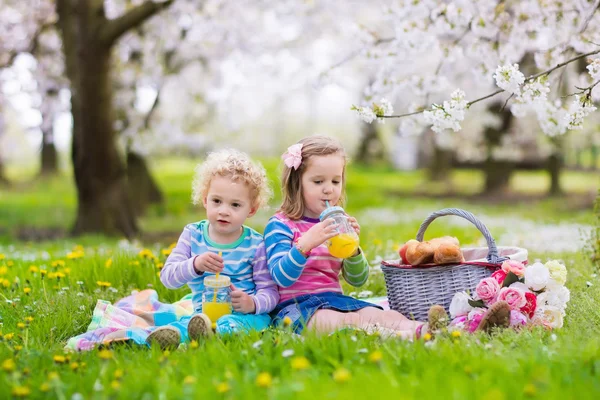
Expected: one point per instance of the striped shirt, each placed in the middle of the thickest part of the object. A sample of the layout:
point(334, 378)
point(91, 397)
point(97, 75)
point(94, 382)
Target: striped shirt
point(244, 262)
point(297, 275)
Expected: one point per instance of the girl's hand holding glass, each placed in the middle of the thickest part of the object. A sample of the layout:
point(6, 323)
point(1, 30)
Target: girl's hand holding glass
point(208, 262)
point(317, 235)
point(241, 301)
point(354, 224)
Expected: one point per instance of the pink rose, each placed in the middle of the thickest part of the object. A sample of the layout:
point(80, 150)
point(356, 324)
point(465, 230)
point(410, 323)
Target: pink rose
point(499, 276)
point(517, 319)
point(516, 267)
point(487, 290)
point(474, 319)
point(513, 296)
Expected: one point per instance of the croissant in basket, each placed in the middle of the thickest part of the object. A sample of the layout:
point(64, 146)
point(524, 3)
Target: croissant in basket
point(443, 250)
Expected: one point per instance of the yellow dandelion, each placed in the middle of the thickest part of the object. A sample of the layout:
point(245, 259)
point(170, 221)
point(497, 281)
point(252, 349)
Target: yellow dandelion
point(59, 359)
point(146, 253)
point(5, 282)
point(2, 256)
point(9, 336)
point(75, 255)
point(105, 354)
point(27, 290)
point(455, 334)
point(427, 337)
point(287, 321)
point(118, 373)
point(74, 365)
point(108, 263)
point(375, 356)
point(9, 263)
point(53, 375)
point(33, 269)
point(341, 375)
point(45, 387)
point(21, 391)
point(57, 264)
point(166, 252)
point(264, 380)
point(189, 380)
point(135, 263)
point(530, 390)
point(300, 363)
point(19, 348)
point(8, 365)
point(43, 272)
point(3, 270)
point(160, 265)
point(52, 275)
point(115, 385)
point(377, 242)
point(60, 275)
point(193, 344)
point(223, 387)
point(20, 325)
point(66, 271)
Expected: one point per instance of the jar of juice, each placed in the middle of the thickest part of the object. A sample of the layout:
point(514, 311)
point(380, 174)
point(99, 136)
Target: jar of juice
point(216, 298)
point(346, 242)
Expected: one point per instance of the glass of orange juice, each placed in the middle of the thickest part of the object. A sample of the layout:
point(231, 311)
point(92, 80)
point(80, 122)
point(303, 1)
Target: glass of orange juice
point(216, 297)
point(346, 242)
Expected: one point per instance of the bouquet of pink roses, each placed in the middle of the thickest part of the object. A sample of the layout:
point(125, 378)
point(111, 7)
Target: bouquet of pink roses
point(535, 293)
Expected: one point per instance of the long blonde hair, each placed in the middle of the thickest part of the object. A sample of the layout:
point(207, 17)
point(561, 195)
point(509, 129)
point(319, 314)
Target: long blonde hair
point(291, 179)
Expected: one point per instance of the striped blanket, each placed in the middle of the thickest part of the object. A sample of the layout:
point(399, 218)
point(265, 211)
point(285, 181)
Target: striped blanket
point(134, 317)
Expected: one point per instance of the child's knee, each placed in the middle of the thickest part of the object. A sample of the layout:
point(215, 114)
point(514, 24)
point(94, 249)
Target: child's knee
point(352, 319)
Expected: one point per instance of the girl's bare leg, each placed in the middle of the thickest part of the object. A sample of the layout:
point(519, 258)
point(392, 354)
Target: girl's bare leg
point(388, 319)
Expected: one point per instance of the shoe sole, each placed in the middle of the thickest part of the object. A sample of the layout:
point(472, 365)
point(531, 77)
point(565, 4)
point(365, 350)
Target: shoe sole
point(167, 339)
point(199, 326)
point(437, 317)
point(498, 315)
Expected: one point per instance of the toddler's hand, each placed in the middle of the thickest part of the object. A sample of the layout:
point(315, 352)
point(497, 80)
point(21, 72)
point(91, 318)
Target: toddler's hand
point(318, 234)
point(354, 224)
point(241, 301)
point(208, 262)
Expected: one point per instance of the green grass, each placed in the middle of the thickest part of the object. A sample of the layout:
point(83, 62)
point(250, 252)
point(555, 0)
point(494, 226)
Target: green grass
point(529, 364)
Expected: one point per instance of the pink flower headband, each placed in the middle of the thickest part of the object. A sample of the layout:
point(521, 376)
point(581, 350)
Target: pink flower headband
point(292, 158)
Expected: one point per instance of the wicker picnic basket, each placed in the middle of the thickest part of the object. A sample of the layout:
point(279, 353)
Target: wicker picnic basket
point(412, 290)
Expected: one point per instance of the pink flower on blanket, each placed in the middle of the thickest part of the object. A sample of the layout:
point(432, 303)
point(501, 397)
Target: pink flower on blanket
point(474, 319)
point(513, 296)
point(516, 267)
point(517, 319)
point(487, 289)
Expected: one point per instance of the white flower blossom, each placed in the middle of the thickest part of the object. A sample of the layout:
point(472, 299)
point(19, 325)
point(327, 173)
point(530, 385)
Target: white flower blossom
point(578, 110)
point(509, 78)
point(594, 69)
point(460, 305)
point(537, 276)
point(536, 90)
point(449, 115)
point(365, 114)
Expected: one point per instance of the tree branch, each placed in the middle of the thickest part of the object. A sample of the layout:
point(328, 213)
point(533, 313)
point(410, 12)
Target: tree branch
point(531, 78)
point(113, 29)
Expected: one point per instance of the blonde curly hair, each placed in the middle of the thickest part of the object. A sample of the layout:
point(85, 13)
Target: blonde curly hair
point(240, 168)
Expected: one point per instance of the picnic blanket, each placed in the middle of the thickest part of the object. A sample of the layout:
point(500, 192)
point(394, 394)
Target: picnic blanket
point(134, 317)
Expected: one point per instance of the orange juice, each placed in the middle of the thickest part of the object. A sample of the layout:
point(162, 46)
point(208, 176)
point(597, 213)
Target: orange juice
point(343, 245)
point(215, 310)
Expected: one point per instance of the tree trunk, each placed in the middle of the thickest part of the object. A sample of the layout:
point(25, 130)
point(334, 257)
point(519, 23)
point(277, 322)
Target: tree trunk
point(555, 163)
point(49, 165)
point(370, 148)
point(3, 180)
point(104, 205)
point(143, 190)
point(497, 172)
point(440, 164)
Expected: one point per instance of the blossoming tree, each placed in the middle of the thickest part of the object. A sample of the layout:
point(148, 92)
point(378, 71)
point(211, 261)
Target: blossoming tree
point(476, 51)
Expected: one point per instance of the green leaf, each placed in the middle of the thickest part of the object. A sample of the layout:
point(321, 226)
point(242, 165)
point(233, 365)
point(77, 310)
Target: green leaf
point(477, 303)
point(510, 279)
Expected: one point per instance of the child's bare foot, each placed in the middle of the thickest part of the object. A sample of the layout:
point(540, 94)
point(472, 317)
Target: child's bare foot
point(498, 315)
point(167, 337)
point(199, 326)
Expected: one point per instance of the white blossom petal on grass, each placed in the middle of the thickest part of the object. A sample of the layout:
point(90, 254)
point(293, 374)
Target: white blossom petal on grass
point(287, 353)
point(509, 78)
point(449, 114)
point(257, 344)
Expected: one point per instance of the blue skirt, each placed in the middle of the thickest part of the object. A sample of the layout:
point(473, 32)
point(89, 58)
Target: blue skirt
point(300, 309)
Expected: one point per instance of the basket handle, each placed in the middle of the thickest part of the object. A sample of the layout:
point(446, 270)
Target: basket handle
point(492, 256)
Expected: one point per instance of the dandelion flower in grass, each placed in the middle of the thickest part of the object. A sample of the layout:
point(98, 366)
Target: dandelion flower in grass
point(33, 269)
point(193, 344)
point(19, 348)
point(375, 356)
point(21, 325)
point(166, 252)
point(456, 334)
point(427, 337)
point(5, 282)
point(29, 319)
point(59, 359)
point(146, 253)
point(300, 363)
point(264, 380)
point(74, 365)
point(21, 391)
point(189, 380)
point(43, 272)
point(223, 387)
point(118, 374)
point(105, 354)
point(45, 387)
point(530, 390)
point(53, 375)
point(287, 321)
point(108, 263)
point(116, 385)
point(9, 336)
point(341, 375)
point(3, 270)
point(27, 290)
point(2, 256)
point(8, 365)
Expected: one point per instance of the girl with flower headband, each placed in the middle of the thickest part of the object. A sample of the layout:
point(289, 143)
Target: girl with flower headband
point(314, 176)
